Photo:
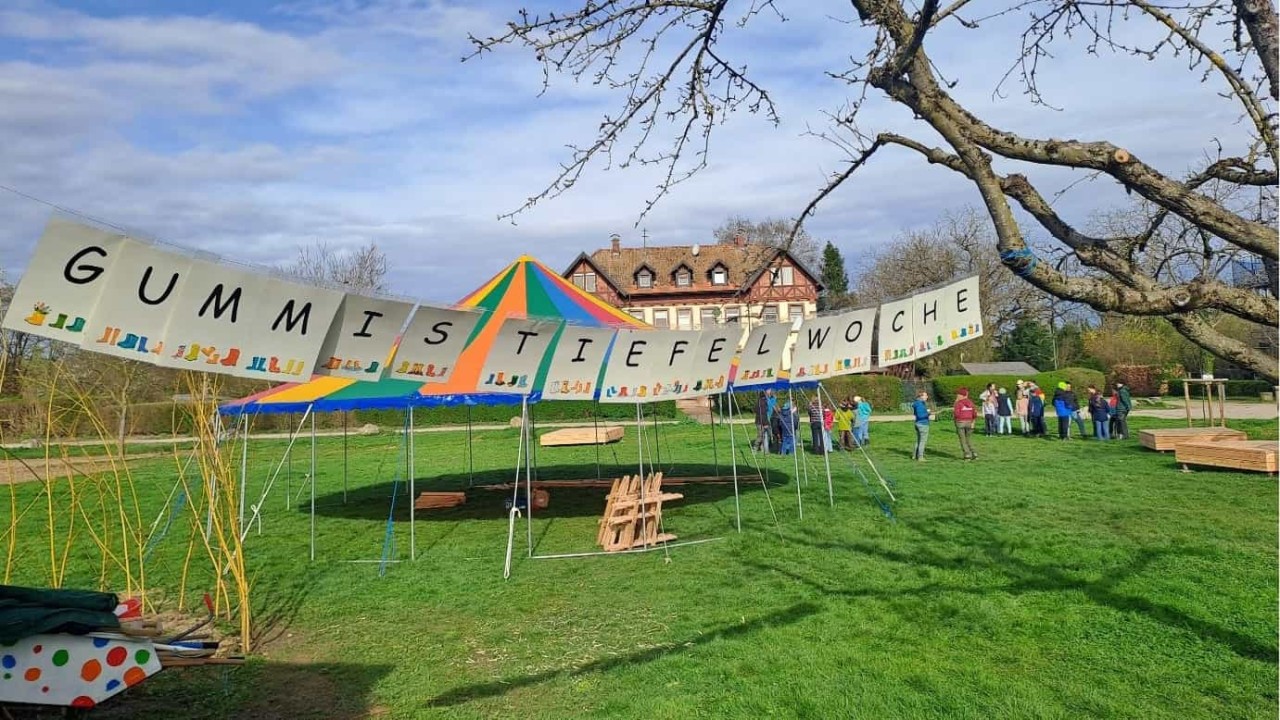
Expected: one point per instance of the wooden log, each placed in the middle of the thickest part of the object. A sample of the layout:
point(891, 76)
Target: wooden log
point(1167, 439)
point(1252, 455)
point(581, 436)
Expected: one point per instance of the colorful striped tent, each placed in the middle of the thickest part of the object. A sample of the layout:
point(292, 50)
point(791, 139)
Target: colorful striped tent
point(524, 289)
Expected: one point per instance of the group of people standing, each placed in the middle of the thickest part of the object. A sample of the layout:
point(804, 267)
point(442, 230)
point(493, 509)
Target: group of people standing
point(844, 427)
point(1109, 415)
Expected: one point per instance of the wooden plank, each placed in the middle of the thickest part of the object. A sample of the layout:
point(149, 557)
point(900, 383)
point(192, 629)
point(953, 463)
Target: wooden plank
point(1255, 455)
point(1167, 439)
point(439, 500)
point(581, 436)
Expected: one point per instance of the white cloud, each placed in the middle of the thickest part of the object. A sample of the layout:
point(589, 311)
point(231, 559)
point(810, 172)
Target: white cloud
point(354, 121)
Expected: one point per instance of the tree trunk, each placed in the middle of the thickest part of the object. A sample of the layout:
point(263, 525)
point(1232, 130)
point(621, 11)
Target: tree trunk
point(1231, 350)
point(1259, 18)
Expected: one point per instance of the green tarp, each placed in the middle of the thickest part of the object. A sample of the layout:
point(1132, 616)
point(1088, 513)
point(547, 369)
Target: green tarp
point(31, 611)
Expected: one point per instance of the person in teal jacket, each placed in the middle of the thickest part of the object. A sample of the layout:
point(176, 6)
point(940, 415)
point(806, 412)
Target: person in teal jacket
point(923, 415)
point(862, 421)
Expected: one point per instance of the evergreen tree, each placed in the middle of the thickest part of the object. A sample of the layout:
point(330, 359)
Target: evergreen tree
point(1031, 342)
point(834, 278)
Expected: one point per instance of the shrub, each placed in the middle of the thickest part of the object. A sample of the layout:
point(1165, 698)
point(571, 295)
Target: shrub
point(1235, 388)
point(1142, 379)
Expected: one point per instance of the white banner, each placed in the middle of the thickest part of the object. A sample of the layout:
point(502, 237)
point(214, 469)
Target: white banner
point(929, 322)
point(853, 337)
point(141, 290)
point(817, 340)
point(432, 343)
point(963, 314)
point(577, 362)
point(647, 365)
point(712, 361)
point(515, 356)
point(895, 339)
point(761, 358)
point(58, 293)
point(359, 344)
point(231, 321)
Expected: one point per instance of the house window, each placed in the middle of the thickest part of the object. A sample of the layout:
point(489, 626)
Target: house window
point(661, 319)
point(684, 277)
point(795, 311)
point(769, 314)
point(585, 280)
point(644, 279)
point(708, 317)
point(719, 276)
point(784, 276)
point(637, 314)
point(732, 315)
point(684, 319)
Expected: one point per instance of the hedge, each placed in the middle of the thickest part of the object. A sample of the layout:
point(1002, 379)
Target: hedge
point(1235, 388)
point(945, 387)
point(883, 391)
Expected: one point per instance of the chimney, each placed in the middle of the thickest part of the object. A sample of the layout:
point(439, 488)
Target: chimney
point(739, 241)
point(615, 244)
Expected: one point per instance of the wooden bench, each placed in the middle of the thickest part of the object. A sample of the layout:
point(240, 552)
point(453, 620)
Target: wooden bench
point(581, 436)
point(439, 500)
point(1166, 439)
point(1254, 455)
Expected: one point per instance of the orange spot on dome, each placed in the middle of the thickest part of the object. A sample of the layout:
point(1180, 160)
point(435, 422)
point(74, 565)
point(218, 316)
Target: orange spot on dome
point(91, 670)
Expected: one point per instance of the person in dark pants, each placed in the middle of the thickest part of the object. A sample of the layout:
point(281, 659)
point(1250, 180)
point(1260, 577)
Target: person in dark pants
point(1100, 413)
point(1073, 404)
point(1035, 413)
point(1063, 412)
point(1124, 403)
point(921, 410)
point(815, 427)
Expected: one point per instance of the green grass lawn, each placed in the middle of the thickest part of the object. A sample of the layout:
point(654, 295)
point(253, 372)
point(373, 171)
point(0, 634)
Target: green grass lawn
point(1046, 580)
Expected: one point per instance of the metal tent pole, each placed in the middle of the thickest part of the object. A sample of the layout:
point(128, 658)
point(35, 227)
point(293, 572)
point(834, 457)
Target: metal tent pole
point(244, 463)
point(733, 454)
point(313, 486)
point(640, 461)
point(826, 451)
point(288, 453)
point(413, 538)
point(715, 449)
point(344, 457)
point(595, 423)
point(471, 466)
point(795, 454)
point(528, 471)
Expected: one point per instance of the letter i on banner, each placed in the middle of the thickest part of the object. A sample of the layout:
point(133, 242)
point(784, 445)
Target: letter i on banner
point(577, 363)
point(360, 343)
point(64, 280)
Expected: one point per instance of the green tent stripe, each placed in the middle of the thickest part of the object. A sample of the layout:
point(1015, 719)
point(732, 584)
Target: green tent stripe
point(539, 303)
point(387, 387)
point(540, 379)
point(493, 297)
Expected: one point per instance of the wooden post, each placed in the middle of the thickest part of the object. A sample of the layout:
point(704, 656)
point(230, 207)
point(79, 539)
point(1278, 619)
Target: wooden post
point(1186, 394)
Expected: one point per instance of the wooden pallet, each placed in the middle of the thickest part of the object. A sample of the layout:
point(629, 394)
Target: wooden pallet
point(439, 500)
point(1255, 455)
point(633, 514)
point(581, 436)
point(1168, 439)
point(697, 480)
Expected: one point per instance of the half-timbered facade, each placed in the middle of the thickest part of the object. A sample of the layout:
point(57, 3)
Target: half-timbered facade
point(690, 287)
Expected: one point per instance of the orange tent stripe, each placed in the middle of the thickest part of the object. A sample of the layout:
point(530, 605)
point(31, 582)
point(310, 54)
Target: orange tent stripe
point(319, 387)
point(466, 374)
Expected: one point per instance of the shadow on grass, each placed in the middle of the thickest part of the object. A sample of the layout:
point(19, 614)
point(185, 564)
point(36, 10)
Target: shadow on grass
point(278, 604)
point(372, 502)
point(1024, 577)
point(334, 691)
point(482, 691)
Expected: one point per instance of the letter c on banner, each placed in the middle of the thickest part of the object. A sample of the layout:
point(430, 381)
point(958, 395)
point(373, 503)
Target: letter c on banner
point(896, 319)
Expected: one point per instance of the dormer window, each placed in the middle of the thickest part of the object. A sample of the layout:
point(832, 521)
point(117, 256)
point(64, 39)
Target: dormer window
point(719, 275)
point(683, 276)
point(644, 278)
point(784, 276)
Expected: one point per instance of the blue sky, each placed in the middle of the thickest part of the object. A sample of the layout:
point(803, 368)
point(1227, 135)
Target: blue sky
point(248, 128)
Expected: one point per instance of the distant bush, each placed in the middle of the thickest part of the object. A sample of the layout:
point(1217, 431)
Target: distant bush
point(1235, 388)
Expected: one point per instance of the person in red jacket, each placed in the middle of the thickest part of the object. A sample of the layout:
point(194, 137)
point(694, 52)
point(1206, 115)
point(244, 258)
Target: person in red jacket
point(965, 414)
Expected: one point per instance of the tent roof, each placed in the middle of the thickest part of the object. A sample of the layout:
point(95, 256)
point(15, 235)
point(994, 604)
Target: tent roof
point(524, 289)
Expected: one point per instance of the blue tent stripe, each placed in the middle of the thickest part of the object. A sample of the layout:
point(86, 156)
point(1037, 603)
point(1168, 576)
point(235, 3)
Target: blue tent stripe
point(569, 310)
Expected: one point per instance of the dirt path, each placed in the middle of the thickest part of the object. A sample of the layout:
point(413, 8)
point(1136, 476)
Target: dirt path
point(20, 471)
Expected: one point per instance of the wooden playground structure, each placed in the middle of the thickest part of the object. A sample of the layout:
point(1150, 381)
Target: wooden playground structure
point(633, 514)
point(1213, 444)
